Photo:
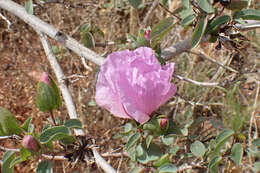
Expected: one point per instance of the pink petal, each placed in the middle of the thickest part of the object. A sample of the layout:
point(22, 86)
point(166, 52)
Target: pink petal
point(132, 84)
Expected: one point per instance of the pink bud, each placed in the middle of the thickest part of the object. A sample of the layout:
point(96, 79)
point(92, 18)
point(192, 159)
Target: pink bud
point(163, 123)
point(30, 143)
point(45, 78)
point(147, 34)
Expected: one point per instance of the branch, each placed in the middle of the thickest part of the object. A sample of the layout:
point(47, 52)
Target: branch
point(52, 32)
point(195, 82)
point(200, 54)
point(149, 13)
point(68, 99)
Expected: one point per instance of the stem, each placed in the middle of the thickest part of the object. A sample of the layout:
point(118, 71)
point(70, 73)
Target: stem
point(53, 118)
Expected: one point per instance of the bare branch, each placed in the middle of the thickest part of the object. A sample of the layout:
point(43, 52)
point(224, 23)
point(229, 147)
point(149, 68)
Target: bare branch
point(5, 19)
point(52, 32)
point(149, 13)
point(202, 55)
point(195, 82)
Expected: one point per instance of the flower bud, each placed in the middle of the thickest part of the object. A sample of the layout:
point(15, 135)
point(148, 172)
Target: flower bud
point(48, 96)
point(147, 34)
point(45, 78)
point(163, 123)
point(29, 142)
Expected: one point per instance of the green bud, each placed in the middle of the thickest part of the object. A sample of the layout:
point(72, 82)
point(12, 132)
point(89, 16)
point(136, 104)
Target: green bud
point(48, 95)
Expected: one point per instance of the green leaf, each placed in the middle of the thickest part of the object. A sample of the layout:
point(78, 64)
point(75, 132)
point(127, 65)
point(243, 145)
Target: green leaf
point(8, 158)
point(173, 150)
point(24, 155)
point(150, 154)
point(167, 140)
point(16, 161)
point(198, 32)
point(222, 138)
point(44, 167)
point(206, 6)
point(198, 149)
point(48, 97)
point(163, 160)
point(132, 153)
point(149, 140)
point(237, 153)
point(29, 7)
point(237, 122)
point(256, 167)
point(164, 2)
point(98, 31)
point(73, 123)
point(140, 150)
point(127, 129)
point(215, 24)
point(85, 28)
point(150, 126)
point(162, 28)
point(186, 3)
point(88, 40)
point(135, 3)
point(133, 140)
point(213, 164)
point(248, 14)
point(8, 123)
point(26, 124)
point(256, 142)
point(56, 133)
point(188, 20)
point(168, 168)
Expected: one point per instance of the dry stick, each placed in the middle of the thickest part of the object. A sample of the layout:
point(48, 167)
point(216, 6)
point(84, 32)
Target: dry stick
point(253, 120)
point(68, 99)
point(7, 21)
point(195, 82)
point(200, 54)
point(149, 13)
point(44, 155)
point(52, 32)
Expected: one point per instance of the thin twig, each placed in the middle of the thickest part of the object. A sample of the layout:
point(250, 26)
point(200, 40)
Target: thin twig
point(200, 54)
point(149, 13)
point(253, 117)
point(210, 84)
point(53, 118)
point(44, 155)
point(120, 163)
point(83, 60)
point(10, 137)
point(166, 9)
point(5, 19)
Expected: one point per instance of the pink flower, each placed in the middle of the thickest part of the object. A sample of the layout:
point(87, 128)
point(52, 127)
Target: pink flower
point(132, 84)
point(30, 143)
point(163, 123)
point(147, 34)
point(45, 78)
